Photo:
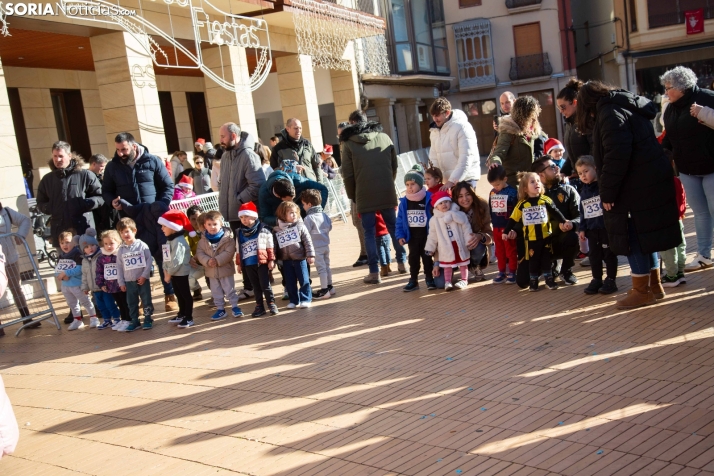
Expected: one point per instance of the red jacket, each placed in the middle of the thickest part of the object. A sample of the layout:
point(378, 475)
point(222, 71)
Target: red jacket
point(381, 227)
point(681, 197)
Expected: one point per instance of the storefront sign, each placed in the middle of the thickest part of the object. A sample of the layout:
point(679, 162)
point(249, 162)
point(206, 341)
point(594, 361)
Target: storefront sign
point(695, 21)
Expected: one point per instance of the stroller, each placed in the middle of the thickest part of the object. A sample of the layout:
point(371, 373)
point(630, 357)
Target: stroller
point(41, 229)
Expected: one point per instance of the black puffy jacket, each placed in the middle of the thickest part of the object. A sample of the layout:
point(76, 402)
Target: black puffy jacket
point(66, 195)
point(634, 174)
point(691, 142)
point(146, 182)
point(307, 157)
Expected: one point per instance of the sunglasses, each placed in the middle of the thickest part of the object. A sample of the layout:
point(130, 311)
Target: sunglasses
point(551, 166)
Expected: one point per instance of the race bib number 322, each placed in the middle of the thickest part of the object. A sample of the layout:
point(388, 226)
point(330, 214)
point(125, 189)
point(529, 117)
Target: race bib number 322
point(288, 237)
point(134, 260)
point(536, 215)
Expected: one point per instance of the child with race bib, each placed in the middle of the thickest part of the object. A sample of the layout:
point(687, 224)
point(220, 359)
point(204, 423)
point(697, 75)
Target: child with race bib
point(107, 272)
point(215, 252)
point(105, 301)
point(449, 231)
point(502, 199)
point(319, 225)
point(592, 229)
point(296, 251)
point(536, 212)
point(176, 254)
point(134, 259)
point(256, 257)
point(413, 216)
point(69, 271)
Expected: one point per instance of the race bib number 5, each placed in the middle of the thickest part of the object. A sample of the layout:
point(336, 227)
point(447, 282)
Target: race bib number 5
point(111, 272)
point(592, 207)
point(134, 260)
point(250, 248)
point(416, 218)
point(288, 237)
point(499, 203)
point(537, 215)
point(64, 265)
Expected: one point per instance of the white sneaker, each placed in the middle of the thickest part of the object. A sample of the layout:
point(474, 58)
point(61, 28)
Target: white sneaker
point(304, 305)
point(117, 325)
point(93, 322)
point(332, 290)
point(291, 306)
point(76, 324)
point(585, 261)
point(448, 287)
point(698, 262)
point(123, 325)
point(461, 284)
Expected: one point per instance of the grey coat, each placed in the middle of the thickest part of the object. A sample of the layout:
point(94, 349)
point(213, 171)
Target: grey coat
point(89, 272)
point(319, 225)
point(241, 177)
point(297, 251)
point(12, 218)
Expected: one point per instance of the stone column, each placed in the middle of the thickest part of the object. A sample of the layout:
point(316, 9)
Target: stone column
point(411, 111)
point(231, 64)
point(299, 96)
point(400, 118)
point(345, 89)
point(12, 186)
point(127, 90)
point(384, 107)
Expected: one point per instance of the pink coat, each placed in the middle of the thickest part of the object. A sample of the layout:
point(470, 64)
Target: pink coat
point(180, 194)
point(9, 431)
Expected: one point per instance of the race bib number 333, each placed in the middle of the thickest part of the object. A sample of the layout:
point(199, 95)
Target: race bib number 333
point(536, 215)
point(592, 207)
point(288, 237)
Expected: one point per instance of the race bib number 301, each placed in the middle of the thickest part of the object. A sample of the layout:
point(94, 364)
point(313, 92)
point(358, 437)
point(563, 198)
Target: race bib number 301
point(288, 237)
point(537, 215)
point(416, 218)
point(111, 272)
point(64, 265)
point(592, 207)
point(134, 260)
point(499, 203)
point(250, 248)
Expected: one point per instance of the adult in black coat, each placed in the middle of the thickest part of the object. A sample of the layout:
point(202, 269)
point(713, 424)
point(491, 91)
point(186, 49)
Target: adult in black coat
point(692, 145)
point(576, 144)
point(636, 184)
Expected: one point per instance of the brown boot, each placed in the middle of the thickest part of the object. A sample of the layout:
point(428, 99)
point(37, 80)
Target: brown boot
point(640, 294)
point(656, 284)
point(170, 303)
point(401, 268)
point(372, 278)
point(384, 271)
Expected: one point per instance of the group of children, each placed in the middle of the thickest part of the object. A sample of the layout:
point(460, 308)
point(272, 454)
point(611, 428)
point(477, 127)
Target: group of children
point(117, 273)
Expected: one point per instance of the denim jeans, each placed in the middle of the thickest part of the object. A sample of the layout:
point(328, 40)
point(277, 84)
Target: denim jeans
point(640, 262)
point(700, 196)
point(107, 306)
point(476, 257)
point(295, 271)
point(370, 241)
point(133, 293)
point(384, 250)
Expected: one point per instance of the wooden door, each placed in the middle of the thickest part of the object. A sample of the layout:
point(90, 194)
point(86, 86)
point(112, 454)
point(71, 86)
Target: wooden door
point(527, 39)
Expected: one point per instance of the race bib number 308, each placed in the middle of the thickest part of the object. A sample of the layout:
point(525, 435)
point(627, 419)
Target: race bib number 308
point(537, 215)
point(111, 272)
point(134, 260)
point(288, 237)
point(499, 203)
point(592, 207)
point(416, 218)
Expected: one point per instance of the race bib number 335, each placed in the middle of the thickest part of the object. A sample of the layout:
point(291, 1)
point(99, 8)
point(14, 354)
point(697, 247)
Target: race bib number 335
point(537, 215)
point(288, 237)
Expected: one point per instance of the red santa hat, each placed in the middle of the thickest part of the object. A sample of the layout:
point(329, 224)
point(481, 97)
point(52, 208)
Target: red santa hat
point(248, 210)
point(552, 144)
point(439, 197)
point(327, 150)
point(186, 182)
point(177, 221)
point(201, 141)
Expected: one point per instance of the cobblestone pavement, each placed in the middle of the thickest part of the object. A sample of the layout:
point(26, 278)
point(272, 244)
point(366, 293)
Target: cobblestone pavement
point(486, 381)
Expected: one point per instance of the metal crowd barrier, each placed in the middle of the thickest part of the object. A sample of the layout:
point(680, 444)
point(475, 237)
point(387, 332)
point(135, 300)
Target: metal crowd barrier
point(26, 296)
point(207, 201)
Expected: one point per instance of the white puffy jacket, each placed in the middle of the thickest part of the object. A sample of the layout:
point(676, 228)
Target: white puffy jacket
point(447, 226)
point(454, 149)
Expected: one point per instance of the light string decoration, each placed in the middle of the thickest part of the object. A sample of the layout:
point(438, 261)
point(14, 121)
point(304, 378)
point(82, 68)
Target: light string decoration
point(324, 30)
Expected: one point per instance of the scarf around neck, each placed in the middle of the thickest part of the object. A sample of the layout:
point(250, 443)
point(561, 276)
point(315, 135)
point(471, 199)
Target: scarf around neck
point(250, 231)
point(417, 197)
point(214, 238)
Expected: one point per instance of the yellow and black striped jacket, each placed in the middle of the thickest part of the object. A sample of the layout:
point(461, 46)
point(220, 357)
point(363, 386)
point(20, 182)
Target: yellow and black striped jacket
point(535, 232)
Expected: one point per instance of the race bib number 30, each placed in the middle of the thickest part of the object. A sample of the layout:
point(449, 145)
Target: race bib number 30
point(499, 203)
point(416, 218)
point(134, 260)
point(537, 215)
point(166, 251)
point(111, 272)
point(64, 265)
point(250, 248)
point(592, 207)
point(288, 237)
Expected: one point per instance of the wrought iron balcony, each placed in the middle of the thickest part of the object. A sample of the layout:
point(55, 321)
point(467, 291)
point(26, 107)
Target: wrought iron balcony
point(530, 66)
point(521, 3)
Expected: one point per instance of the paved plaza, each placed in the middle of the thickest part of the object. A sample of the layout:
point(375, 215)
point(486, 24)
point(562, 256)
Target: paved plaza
point(487, 381)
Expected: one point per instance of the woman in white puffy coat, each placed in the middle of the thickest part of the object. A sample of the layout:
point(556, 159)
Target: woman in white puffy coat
point(453, 145)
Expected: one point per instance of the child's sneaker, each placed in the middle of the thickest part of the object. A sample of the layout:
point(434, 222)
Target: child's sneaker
point(273, 309)
point(93, 322)
point(176, 319)
point(593, 287)
point(411, 286)
point(237, 312)
point(245, 294)
point(304, 305)
point(478, 275)
point(217, 316)
point(185, 323)
point(148, 324)
point(105, 325)
point(121, 327)
point(461, 284)
point(322, 294)
point(132, 327)
point(511, 278)
point(500, 278)
point(670, 281)
point(448, 287)
point(430, 284)
point(682, 279)
point(76, 324)
point(534, 285)
point(259, 311)
point(292, 305)
point(332, 290)
point(550, 282)
point(286, 296)
point(570, 278)
point(401, 268)
point(609, 286)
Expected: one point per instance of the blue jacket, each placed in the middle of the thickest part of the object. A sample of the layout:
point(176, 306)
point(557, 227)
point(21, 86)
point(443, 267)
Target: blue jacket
point(590, 190)
point(402, 228)
point(148, 181)
point(75, 274)
point(268, 203)
point(147, 217)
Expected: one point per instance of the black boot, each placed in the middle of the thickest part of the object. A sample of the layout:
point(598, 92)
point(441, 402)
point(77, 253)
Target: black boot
point(69, 318)
point(361, 261)
point(24, 312)
point(197, 294)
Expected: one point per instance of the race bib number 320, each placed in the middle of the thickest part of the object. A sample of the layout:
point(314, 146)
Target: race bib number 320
point(499, 203)
point(288, 237)
point(416, 218)
point(111, 272)
point(537, 215)
point(134, 260)
point(592, 207)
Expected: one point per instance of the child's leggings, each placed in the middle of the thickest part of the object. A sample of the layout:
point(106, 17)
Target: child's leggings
point(74, 296)
point(449, 271)
point(540, 255)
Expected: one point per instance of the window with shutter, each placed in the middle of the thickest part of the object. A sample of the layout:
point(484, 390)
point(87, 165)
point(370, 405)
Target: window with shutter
point(527, 39)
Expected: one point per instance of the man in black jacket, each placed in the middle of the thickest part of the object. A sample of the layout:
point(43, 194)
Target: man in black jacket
point(291, 140)
point(68, 193)
point(565, 239)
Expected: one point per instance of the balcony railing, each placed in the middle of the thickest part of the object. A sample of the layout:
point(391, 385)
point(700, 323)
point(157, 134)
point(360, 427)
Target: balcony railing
point(510, 4)
point(530, 66)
